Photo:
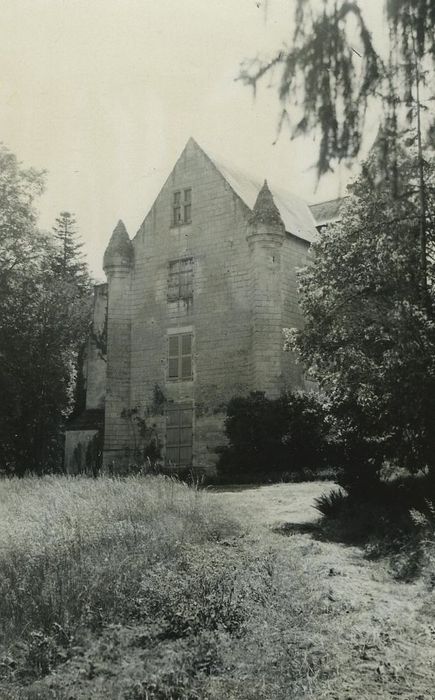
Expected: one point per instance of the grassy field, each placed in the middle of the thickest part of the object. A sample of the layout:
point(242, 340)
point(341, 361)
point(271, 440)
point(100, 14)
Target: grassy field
point(146, 589)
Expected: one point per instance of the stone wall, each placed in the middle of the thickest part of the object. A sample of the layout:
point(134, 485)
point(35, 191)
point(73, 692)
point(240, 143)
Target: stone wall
point(219, 315)
point(96, 355)
point(294, 256)
point(117, 428)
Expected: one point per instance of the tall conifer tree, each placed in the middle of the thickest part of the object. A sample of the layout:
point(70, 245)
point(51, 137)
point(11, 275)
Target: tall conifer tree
point(68, 260)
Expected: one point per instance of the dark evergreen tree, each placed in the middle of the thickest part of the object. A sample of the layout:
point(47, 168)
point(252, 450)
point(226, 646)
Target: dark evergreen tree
point(68, 262)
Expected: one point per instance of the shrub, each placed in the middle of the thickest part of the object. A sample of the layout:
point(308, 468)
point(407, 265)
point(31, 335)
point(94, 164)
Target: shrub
point(331, 504)
point(269, 439)
point(395, 520)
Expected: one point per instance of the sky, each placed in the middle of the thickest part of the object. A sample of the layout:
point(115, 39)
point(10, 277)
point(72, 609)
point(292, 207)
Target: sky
point(104, 94)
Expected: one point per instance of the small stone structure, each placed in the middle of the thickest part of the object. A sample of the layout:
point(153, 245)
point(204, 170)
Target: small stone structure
point(192, 314)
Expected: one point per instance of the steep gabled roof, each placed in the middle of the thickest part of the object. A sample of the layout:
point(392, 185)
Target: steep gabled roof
point(300, 219)
point(295, 213)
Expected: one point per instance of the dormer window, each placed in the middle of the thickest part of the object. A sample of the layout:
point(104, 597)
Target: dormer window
point(182, 207)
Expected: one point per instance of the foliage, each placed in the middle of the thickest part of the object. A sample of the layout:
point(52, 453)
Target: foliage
point(368, 340)
point(19, 188)
point(43, 323)
point(271, 438)
point(330, 69)
point(368, 298)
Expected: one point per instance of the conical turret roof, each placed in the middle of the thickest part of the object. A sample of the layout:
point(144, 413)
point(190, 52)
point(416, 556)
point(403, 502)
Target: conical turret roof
point(120, 249)
point(265, 210)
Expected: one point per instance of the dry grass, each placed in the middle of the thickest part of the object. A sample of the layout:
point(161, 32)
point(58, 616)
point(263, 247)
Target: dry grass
point(76, 547)
point(145, 589)
point(74, 554)
point(276, 504)
point(378, 632)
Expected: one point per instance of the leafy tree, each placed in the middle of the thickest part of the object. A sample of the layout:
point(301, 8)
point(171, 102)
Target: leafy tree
point(43, 322)
point(18, 189)
point(369, 296)
point(368, 339)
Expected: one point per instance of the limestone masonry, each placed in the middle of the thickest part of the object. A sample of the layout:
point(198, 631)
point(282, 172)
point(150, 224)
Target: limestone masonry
point(191, 315)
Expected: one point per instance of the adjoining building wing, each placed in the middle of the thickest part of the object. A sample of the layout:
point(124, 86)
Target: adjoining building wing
point(327, 212)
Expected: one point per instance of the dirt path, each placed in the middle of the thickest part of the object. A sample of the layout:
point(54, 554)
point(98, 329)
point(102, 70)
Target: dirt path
point(386, 637)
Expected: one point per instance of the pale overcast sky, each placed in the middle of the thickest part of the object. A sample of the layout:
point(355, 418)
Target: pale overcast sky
point(104, 94)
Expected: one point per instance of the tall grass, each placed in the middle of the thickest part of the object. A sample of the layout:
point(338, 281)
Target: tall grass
point(76, 550)
point(146, 589)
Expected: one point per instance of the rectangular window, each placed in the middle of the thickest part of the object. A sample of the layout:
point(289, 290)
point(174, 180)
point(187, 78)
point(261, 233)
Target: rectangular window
point(180, 356)
point(182, 207)
point(179, 435)
point(180, 281)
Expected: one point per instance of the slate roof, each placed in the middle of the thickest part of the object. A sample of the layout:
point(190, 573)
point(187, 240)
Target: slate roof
point(327, 212)
point(294, 211)
point(120, 247)
point(265, 210)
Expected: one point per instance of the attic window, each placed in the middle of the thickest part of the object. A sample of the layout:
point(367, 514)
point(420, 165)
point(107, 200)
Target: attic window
point(182, 207)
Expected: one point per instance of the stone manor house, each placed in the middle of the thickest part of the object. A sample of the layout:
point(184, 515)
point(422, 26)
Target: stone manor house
point(192, 315)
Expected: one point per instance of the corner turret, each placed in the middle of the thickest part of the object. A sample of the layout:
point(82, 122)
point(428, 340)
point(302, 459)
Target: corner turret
point(119, 253)
point(118, 266)
point(265, 236)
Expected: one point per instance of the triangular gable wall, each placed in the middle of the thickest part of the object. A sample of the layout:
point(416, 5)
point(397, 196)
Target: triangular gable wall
point(296, 214)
